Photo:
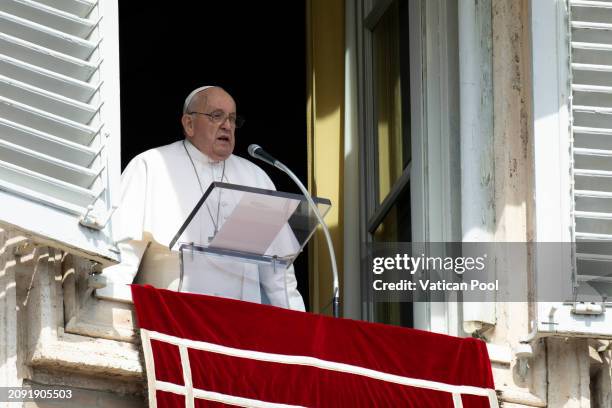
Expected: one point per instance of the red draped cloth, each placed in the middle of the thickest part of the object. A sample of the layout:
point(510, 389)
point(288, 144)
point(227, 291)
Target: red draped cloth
point(268, 355)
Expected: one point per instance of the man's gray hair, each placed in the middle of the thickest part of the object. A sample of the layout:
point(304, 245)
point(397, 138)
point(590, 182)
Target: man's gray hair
point(193, 93)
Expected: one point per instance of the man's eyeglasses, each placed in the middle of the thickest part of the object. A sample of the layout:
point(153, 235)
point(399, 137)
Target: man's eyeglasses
point(219, 117)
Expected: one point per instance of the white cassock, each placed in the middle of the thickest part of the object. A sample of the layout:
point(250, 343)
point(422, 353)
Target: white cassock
point(159, 190)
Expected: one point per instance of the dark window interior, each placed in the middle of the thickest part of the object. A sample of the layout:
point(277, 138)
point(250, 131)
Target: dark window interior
point(168, 50)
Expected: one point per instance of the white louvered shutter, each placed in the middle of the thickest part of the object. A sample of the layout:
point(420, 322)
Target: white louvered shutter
point(591, 124)
point(59, 120)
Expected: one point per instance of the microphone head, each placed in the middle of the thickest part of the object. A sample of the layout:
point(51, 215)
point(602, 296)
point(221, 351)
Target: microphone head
point(252, 148)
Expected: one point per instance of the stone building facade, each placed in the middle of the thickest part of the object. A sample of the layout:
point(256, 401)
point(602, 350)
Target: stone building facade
point(54, 331)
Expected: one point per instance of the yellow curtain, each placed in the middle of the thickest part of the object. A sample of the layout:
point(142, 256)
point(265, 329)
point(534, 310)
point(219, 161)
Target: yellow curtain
point(325, 29)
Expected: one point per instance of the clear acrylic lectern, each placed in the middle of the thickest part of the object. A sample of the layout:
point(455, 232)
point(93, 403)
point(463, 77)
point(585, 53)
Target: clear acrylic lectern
point(233, 226)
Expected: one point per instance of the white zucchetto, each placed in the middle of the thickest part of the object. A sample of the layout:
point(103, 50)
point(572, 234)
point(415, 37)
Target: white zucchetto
point(192, 94)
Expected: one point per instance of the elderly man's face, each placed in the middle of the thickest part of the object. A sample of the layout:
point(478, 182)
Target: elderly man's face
point(216, 140)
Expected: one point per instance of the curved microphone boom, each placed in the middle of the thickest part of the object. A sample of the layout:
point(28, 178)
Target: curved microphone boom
point(258, 152)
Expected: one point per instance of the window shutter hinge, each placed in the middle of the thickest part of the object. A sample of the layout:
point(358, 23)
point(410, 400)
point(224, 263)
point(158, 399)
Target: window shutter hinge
point(589, 308)
point(92, 221)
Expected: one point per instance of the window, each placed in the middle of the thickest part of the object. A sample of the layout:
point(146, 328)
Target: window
point(408, 98)
point(389, 143)
point(572, 71)
point(391, 71)
point(59, 121)
point(591, 112)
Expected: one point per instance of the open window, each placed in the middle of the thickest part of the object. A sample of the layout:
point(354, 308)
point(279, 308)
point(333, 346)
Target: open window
point(59, 122)
point(408, 55)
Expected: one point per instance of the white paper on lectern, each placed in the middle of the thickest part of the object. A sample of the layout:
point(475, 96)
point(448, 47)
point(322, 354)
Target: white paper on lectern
point(285, 244)
point(255, 222)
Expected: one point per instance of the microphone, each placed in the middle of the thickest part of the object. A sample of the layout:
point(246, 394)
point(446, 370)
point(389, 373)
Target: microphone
point(258, 152)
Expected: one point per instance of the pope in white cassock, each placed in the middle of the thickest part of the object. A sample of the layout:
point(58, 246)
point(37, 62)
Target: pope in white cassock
point(161, 186)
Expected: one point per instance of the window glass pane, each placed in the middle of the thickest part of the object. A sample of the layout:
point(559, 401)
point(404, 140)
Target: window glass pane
point(392, 93)
point(395, 227)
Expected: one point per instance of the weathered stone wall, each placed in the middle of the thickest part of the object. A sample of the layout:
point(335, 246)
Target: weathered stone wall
point(569, 373)
point(98, 356)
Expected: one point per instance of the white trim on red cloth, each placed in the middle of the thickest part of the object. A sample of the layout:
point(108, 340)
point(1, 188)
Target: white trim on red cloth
point(191, 393)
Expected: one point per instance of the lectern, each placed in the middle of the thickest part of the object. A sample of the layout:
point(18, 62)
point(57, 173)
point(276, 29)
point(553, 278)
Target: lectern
point(234, 228)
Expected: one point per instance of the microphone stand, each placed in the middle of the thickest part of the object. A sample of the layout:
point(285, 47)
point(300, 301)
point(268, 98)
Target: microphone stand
point(332, 254)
